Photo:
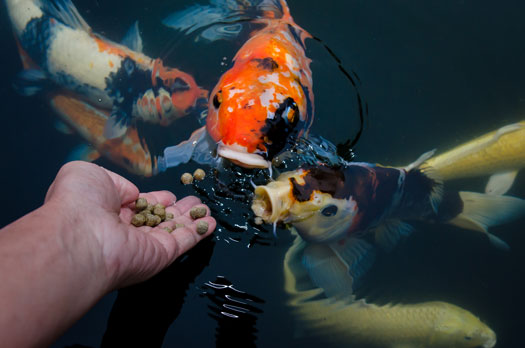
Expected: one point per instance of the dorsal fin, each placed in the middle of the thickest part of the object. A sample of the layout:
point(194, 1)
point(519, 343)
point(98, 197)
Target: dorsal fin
point(221, 19)
point(66, 12)
point(432, 176)
point(132, 39)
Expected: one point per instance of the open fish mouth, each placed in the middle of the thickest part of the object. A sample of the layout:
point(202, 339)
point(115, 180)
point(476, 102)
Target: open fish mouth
point(272, 201)
point(238, 155)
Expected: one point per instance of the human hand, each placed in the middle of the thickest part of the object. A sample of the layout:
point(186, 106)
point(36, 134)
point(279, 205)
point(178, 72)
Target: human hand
point(98, 205)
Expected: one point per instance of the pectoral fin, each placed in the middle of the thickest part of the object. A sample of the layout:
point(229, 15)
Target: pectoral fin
point(84, 152)
point(197, 147)
point(389, 233)
point(500, 183)
point(63, 128)
point(337, 267)
point(327, 271)
point(357, 255)
point(115, 126)
point(30, 82)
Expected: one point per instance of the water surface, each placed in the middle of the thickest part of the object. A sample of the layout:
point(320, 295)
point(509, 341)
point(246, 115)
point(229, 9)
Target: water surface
point(434, 74)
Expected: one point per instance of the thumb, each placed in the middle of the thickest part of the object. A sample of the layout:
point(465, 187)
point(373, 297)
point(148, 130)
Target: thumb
point(126, 190)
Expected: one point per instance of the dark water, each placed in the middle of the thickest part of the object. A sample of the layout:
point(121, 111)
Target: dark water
point(434, 74)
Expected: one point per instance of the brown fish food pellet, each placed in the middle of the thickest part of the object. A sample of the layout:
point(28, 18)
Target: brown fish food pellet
point(199, 174)
point(168, 229)
point(141, 204)
point(179, 226)
point(202, 227)
point(160, 212)
point(158, 220)
point(151, 220)
point(186, 178)
point(169, 216)
point(138, 220)
point(149, 207)
point(197, 212)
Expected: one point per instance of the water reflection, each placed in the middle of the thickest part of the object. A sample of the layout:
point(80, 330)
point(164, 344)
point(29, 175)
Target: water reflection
point(235, 311)
point(142, 313)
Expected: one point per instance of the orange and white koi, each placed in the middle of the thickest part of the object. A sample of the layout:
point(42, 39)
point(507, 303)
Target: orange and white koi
point(61, 52)
point(265, 100)
point(126, 151)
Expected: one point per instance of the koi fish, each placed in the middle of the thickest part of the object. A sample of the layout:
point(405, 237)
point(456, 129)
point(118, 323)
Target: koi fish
point(60, 52)
point(500, 153)
point(126, 151)
point(320, 284)
point(265, 100)
point(328, 204)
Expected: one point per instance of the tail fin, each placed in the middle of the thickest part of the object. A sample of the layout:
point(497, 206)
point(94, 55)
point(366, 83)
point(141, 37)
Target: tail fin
point(482, 211)
point(222, 18)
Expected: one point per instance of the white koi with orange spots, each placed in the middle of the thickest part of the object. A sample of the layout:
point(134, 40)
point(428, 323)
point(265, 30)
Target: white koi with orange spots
point(60, 51)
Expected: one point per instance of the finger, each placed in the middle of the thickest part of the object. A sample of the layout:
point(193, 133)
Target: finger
point(184, 205)
point(177, 221)
point(188, 212)
point(186, 237)
point(127, 191)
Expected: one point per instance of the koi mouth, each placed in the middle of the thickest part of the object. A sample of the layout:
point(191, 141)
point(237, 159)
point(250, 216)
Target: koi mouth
point(262, 204)
point(491, 342)
point(272, 201)
point(239, 156)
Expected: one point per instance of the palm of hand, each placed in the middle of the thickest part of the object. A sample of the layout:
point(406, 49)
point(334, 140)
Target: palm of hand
point(104, 201)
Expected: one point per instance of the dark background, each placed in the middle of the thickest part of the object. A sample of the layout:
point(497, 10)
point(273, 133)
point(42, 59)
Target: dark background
point(434, 74)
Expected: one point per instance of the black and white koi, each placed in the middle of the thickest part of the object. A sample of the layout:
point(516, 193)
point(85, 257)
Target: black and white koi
point(329, 204)
point(59, 50)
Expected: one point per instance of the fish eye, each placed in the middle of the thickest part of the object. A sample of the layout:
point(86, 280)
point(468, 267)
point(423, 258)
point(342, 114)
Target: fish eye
point(217, 100)
point(331, 210)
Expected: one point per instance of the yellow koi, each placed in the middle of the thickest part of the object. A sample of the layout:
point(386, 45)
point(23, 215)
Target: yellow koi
point(343, 320)
point(500, 153)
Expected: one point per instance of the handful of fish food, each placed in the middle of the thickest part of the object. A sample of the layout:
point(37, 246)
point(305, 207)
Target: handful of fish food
point(148, 214)
point(151, 215)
